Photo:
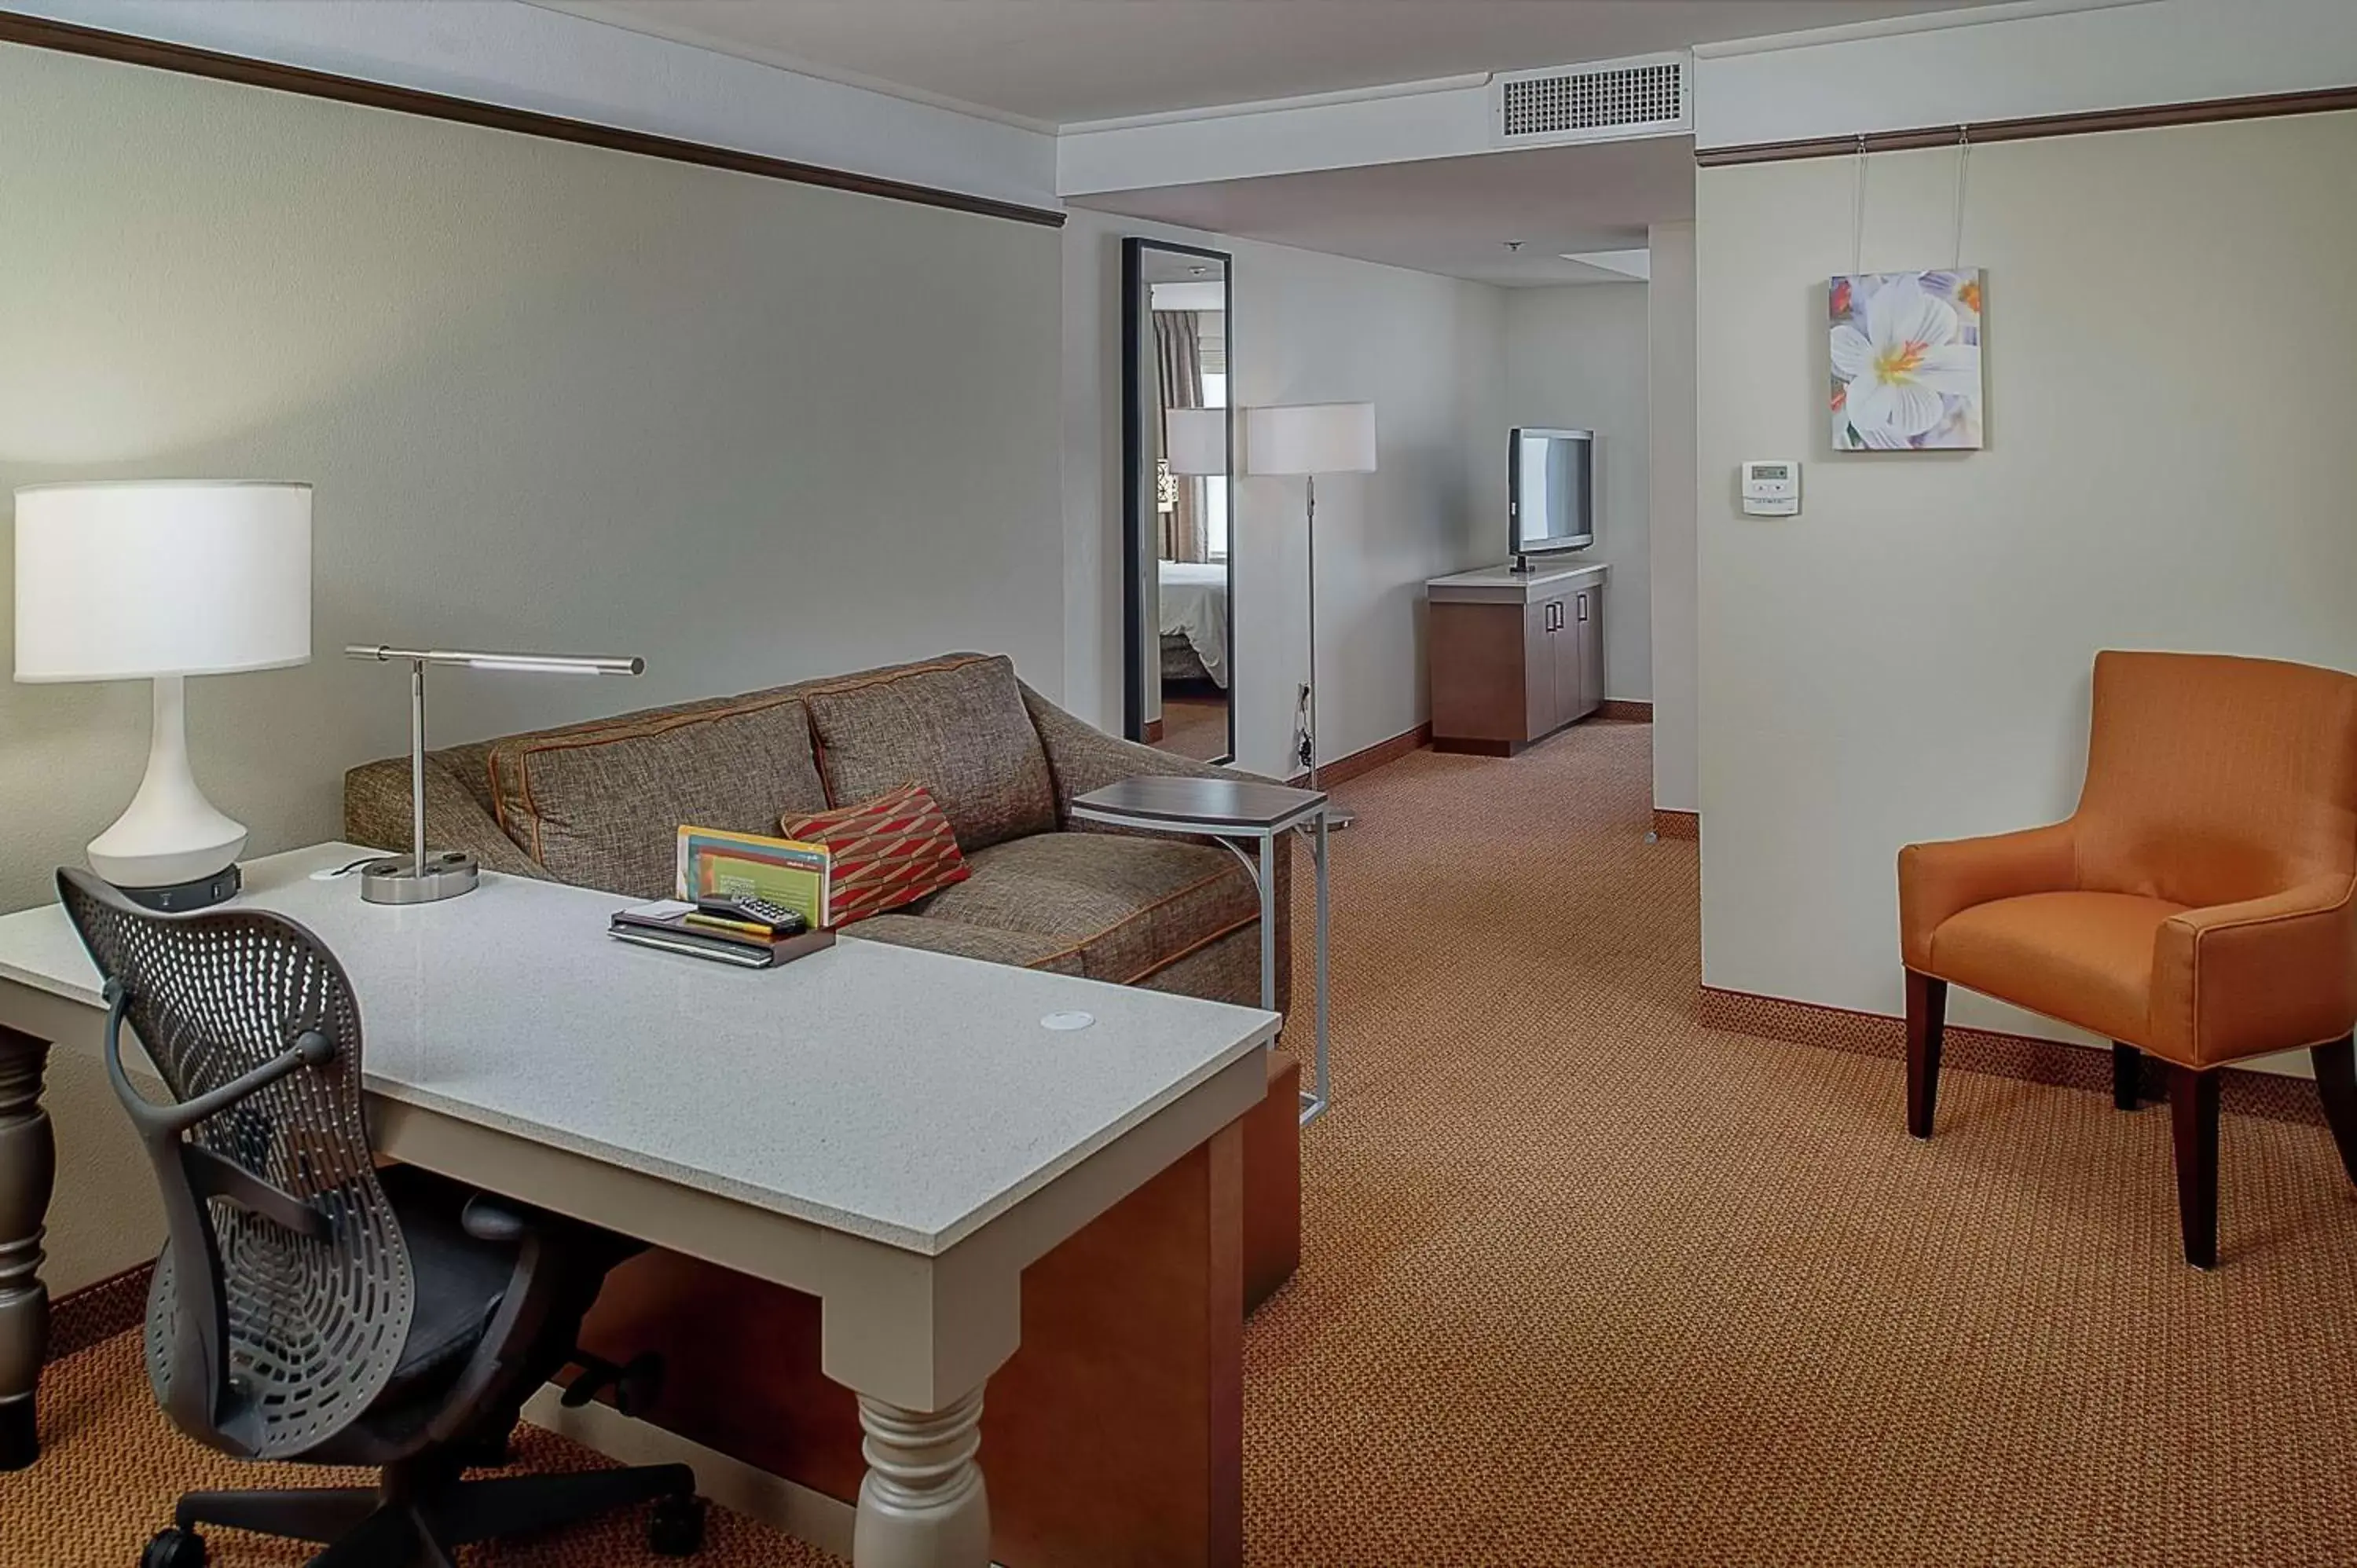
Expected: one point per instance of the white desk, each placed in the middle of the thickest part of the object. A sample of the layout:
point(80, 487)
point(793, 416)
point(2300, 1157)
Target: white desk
point(894, 1132)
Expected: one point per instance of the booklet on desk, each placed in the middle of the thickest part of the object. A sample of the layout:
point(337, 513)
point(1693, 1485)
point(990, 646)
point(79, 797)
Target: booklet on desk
point(664, 925)
point(783, 871)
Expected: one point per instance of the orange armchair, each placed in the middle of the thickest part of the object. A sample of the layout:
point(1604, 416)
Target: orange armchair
point(2200, 905)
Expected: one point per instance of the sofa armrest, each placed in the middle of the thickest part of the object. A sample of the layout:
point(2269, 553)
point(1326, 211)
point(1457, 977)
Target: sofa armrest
point(1082, 757)
point(376, 813)
point(2266, 974)
point(1937, 880)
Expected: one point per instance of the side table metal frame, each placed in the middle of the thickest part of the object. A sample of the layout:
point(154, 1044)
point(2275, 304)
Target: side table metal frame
point(1309, 822)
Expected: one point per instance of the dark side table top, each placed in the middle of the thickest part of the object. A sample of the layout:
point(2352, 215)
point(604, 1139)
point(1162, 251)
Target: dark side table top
point(1241, 803)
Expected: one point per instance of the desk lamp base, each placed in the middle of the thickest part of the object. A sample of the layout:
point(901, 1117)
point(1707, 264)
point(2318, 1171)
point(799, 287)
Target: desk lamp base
point(401, 879)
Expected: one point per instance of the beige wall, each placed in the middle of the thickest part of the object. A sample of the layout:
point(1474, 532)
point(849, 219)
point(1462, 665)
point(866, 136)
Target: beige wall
point(1670, 338)
point(1575, 358)
point(551, 397)
point(1308, 329)
point(2172, 359)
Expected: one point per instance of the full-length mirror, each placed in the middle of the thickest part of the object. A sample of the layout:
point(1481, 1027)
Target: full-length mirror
point(1177, 490)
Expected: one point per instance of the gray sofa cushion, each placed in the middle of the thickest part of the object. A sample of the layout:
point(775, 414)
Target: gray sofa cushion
point(600, 806)
point(956, 725)
point(1127, 906)
point(1024, 950)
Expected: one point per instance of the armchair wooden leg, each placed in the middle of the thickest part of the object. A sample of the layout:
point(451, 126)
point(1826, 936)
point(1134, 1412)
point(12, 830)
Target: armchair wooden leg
point(2193, 1117)
point(2336, 1085)
point(2127, 1076)
point(1927, 1014)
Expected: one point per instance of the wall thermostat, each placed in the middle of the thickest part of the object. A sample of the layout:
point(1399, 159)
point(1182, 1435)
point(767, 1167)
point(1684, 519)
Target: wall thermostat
point(1771, 489)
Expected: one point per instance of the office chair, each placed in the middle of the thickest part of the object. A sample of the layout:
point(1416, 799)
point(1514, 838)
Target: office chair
point(308, 1306)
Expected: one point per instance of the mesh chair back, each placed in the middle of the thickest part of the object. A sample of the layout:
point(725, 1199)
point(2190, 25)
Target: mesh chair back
point(263, 1340)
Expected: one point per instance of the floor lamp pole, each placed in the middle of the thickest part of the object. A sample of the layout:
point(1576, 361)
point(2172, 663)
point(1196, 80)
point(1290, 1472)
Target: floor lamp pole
point(1335, 817)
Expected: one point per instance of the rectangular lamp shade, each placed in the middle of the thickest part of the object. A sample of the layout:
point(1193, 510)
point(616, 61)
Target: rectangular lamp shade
point(1311, 438)
point(161, 577)
point(1196, 440)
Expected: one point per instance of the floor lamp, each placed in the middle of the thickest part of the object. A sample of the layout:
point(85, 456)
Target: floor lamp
point(1311, 439)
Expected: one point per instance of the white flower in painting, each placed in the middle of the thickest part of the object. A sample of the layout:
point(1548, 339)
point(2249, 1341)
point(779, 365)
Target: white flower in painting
point(1894, 374)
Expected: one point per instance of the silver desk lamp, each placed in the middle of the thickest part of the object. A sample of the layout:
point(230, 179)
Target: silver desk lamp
point(422, 876)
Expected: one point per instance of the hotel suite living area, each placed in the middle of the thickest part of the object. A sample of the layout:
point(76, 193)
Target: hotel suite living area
point(1810, 1025)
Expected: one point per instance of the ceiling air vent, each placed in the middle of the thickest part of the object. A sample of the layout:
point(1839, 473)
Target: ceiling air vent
point(1612, 98)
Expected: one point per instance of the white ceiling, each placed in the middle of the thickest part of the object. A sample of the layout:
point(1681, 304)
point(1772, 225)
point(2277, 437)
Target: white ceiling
point(1451, 216)
point(1058, 63)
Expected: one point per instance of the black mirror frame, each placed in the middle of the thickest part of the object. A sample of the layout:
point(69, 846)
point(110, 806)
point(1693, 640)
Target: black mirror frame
point(1137, 561)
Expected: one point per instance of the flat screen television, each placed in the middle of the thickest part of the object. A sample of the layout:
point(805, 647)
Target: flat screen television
point(1550, 491)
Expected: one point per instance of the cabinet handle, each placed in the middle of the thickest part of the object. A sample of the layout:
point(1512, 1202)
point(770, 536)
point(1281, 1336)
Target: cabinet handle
point(1582, 606)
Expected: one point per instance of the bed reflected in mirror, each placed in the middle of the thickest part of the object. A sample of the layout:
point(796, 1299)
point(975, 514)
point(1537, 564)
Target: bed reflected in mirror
point(1178, 463)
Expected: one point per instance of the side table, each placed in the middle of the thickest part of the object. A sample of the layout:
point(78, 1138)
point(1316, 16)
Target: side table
point(1233, 812)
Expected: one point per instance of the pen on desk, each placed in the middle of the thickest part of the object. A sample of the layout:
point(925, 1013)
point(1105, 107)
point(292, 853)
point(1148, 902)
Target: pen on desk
point(718, 923)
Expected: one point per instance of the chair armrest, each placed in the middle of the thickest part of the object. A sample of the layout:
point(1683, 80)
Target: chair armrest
point(376, 813)
point(2268, 974)
point(1938, 880)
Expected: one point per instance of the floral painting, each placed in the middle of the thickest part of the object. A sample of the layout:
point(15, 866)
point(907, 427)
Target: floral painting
point(1905, 360)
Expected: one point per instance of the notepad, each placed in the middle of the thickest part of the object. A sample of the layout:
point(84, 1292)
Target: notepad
point(784, 871)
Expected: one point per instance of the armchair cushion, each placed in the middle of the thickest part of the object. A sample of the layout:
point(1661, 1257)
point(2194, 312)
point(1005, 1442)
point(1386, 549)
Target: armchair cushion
point(2084, 958)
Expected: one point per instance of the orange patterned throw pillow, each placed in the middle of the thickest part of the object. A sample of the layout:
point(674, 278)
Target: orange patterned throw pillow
point(886, 852)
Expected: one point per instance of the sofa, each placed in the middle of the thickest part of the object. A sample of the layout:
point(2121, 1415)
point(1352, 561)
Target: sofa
point(599, 804)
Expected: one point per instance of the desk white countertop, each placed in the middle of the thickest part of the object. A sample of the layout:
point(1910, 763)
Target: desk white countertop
point(903, 1096)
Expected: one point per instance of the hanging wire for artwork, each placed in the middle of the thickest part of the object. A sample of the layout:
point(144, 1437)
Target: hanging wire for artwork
point(1857, 209)
point(1963, 164)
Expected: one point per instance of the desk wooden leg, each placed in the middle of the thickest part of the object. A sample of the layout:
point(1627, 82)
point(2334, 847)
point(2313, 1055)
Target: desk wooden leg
point(29, 1164)
point(922, 1504)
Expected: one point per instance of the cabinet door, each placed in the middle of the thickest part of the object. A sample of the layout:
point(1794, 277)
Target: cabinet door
point(1567, 678)
point(1539, 696)
point(1587, 625)
point(1479, 659)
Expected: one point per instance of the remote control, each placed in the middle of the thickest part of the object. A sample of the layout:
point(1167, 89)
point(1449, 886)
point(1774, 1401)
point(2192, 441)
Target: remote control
point(759, 912)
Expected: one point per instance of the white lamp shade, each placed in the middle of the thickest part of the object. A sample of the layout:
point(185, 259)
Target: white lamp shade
point(170, 577)
point(1196, 440)
point(1311, 438)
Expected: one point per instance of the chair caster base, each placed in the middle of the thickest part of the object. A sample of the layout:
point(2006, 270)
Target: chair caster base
point(675, 1528)
point(173, 1547)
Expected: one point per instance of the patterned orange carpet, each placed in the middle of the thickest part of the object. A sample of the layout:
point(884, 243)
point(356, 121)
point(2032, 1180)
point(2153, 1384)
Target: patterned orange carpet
point(1588, 1284)
point(1194, 722)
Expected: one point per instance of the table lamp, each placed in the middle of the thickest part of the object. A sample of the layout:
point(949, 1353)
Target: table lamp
point(423, 876)
point(161, 580)
point(1311, 439)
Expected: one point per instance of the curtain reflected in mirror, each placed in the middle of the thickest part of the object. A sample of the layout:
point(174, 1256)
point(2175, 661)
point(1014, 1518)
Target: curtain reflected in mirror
point(1178, 463)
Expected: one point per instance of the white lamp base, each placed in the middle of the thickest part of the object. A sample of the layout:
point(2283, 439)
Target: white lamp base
point(169, 835)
